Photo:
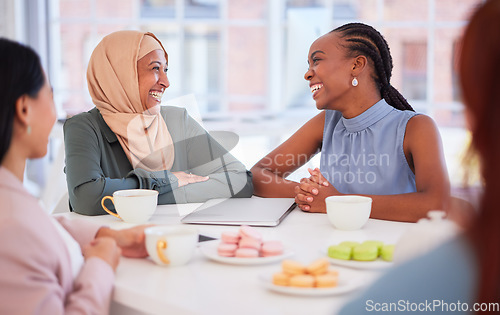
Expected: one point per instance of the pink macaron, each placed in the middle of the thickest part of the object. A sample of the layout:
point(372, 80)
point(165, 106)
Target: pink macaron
point(248, 242)
point(250, 232)
point(271, 248)
point(246, 253)
point(231, 237)
point(226, 249)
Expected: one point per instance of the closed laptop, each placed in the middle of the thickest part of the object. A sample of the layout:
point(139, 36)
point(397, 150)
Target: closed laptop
point(242, 211)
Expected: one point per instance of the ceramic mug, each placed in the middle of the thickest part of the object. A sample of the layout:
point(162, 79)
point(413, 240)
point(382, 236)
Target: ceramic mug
point(133, 205)
point(348, 212)
point(171, 245)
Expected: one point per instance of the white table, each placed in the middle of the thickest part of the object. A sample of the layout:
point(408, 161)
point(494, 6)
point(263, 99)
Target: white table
point(207, 287)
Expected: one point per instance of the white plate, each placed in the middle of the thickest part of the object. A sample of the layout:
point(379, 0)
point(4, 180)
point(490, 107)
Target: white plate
point(356, 264)
point(348, 281)
point(209, 249)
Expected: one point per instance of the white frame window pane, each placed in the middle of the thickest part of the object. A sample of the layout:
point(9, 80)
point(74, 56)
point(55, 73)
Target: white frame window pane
point(157, 8)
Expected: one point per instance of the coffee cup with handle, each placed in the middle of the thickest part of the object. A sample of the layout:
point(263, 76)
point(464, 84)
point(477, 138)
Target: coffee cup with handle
point(133, 205)
point(171, 245)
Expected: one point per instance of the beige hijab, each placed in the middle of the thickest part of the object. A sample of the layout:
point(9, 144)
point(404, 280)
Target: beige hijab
point(114, 87)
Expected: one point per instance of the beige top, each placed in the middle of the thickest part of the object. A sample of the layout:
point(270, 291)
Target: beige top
point(114, 87)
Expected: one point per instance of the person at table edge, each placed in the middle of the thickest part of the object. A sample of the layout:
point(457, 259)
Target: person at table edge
point(129, 141)
point(462, 274)
point(371, 140)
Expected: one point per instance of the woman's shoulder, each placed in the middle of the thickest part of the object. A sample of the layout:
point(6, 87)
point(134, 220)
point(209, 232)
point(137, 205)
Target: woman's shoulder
point(17, 202)
point(408, 120)
point(420, 122)
point(419, 118)
point(90, 121)
point(89, 117)
point(177, 118)
point(91, 114)
point(21, 212)
point(173, 111)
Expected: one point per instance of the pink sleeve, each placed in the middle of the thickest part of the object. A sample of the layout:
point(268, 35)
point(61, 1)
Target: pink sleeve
point(34, 272)
point(82, 231)
point(92, 289)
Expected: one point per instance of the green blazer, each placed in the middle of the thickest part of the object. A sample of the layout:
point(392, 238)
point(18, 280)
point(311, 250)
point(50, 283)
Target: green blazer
point(96, 165)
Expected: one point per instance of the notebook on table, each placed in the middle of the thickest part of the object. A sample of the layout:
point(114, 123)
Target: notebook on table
point(242, 211)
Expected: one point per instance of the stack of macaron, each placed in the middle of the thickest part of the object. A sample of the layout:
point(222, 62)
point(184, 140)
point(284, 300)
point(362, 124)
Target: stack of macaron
point(366, 251)
point(315, 275)
point(247, 242)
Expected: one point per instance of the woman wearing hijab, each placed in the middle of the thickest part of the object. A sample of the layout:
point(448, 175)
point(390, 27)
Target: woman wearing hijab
point(49, 265)
point(129, 141)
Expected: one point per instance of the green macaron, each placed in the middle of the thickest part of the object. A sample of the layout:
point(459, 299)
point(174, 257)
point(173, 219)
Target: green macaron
point(365, 252)
point(340, 252)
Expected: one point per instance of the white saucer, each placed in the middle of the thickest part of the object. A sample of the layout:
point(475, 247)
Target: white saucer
point(357, 264)
point(348, 281)
point(209, 249)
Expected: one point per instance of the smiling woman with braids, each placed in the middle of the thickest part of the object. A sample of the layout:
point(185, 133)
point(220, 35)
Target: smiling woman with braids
point(372, 142)
point(462, 274)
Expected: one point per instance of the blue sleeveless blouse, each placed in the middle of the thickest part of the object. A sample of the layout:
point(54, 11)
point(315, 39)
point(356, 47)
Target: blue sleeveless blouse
point(364, 154)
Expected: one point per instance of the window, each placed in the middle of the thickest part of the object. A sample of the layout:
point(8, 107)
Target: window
point(244, 60)
point(415, 71)
point(250, 55)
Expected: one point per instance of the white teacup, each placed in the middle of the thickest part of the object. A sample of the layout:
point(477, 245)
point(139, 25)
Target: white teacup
point(133, 205)
point(171, 245)
point(348, 212)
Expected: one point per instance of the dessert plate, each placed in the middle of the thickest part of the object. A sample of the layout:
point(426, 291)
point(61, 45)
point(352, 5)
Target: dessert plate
point(348, 281)
point(209, 249)
point(356, 264)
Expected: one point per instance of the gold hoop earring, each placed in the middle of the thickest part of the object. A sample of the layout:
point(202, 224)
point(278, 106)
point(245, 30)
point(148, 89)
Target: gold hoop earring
point(354, 82)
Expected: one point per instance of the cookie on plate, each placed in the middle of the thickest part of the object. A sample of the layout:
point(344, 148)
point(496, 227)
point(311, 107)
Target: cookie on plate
point(302, 281)
point(365, 252)
point(292, 267)
point(318, 267)
point(340, 252)
point(387, 252)
point(281, 278)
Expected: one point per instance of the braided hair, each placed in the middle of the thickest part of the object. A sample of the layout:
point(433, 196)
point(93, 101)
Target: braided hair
point(364, 40)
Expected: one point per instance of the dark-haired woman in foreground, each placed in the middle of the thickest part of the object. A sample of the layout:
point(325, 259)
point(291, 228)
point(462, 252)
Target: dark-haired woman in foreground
point(48, 265)
point(372, 142)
